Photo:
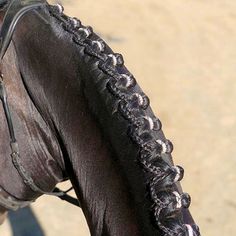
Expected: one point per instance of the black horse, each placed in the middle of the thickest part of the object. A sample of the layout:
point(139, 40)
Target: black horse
point(75, 112)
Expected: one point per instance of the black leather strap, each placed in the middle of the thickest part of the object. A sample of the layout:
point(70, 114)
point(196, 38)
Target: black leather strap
point(66, 197)
point(3, 97)
point(15, 11)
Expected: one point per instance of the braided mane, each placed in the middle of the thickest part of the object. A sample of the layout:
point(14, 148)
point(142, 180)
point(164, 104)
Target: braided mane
point(131, 106)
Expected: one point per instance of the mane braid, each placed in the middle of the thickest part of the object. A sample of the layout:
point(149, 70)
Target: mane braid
point(161, 177)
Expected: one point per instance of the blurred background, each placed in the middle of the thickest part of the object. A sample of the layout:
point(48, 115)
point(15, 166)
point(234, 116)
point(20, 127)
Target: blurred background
point(183, 54)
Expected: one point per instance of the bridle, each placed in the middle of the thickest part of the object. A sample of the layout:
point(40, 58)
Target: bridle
point(15, 11)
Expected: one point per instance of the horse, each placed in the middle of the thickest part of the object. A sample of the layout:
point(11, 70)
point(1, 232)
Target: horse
point(72, 110)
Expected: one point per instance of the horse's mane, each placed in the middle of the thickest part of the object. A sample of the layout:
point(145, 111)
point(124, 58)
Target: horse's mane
point(123, 112)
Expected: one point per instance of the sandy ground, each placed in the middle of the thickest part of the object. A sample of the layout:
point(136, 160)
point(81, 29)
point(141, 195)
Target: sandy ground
point(183, 53)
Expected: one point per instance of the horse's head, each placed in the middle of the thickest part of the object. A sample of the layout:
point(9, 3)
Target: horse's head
point(79, 113)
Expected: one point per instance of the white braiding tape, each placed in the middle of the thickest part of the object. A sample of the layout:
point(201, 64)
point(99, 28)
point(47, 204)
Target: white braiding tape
point(100, 45)
point(178, 199)
point(150, 121)
point(60, 8)
point(164, 147)
point(86, 31)
point(128, 79)
point(75, 22)
point(140, 99)
point(190, 230)
point(114, 59)
point(177, 176)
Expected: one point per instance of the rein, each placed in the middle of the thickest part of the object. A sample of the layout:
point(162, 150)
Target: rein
point(16, 10)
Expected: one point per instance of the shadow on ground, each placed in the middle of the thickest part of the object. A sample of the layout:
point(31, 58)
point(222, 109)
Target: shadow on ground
point(24, 223)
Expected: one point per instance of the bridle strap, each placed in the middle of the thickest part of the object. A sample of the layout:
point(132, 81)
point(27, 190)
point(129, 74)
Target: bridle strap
point(16, 10)
point(3, 97)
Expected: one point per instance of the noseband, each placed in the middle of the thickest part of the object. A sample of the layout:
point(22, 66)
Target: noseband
point(16, 10)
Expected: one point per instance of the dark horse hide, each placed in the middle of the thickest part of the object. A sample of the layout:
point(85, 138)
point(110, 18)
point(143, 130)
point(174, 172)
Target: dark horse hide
point(79, 114)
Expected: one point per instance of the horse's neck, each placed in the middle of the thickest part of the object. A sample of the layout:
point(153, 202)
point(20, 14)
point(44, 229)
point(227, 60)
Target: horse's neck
point(109, 185)
point(98, 180)
point(37, 144)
